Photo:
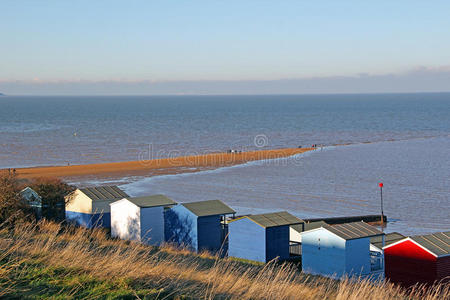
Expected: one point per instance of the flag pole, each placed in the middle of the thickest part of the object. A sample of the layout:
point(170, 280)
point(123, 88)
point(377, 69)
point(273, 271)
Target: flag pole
point(381, 196)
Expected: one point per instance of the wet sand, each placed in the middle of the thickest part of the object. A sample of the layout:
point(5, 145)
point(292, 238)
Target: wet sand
point(153, 167)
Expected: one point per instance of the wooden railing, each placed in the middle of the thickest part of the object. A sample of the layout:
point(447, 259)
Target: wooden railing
point(295, 248)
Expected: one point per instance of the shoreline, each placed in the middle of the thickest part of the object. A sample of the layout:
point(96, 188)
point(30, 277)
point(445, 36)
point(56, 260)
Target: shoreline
point(160, 166)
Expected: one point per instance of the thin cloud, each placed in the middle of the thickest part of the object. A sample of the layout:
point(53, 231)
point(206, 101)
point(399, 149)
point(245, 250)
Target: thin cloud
point(419, 79)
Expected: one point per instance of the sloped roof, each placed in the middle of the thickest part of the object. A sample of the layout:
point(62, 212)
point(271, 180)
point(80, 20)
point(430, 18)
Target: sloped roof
point(275, 219)
point(103, 193)
point(152, 201)
point(28, 194)
point(354, 230)
point(297, 227)
point(31, 197)
point(438, 243)
point(389, 238)
point(314, 225)
point(309, 226)
point(208, 208)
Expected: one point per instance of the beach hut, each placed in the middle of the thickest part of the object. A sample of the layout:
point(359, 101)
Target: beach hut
point(262, 237)
point(89, 207)
point(198, 225)
point(42, 207)
point(140, 218)
point(342, 250)
point(422, 259)
point(32, 198)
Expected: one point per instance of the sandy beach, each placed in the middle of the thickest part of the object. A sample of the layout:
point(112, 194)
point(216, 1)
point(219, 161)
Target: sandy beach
point(153, 167)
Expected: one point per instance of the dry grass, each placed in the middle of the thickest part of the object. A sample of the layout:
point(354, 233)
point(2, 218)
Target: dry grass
point(79, 263)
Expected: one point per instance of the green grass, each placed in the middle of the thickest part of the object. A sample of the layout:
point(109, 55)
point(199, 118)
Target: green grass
point(246, 261)
point(36, 281)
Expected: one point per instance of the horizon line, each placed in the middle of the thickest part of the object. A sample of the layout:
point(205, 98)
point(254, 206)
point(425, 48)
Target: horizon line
point(212, 94)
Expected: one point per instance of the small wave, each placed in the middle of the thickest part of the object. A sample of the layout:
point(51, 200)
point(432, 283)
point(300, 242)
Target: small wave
point(29, 127)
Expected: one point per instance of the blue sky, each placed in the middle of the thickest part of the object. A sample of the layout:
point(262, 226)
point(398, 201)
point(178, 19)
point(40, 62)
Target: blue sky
point(55, 43)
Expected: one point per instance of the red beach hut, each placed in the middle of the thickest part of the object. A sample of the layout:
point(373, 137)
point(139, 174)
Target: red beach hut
point(422, 259)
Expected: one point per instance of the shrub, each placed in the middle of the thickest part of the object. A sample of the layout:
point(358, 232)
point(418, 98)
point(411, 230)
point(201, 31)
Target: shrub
point(12, 208)
point(52, 192)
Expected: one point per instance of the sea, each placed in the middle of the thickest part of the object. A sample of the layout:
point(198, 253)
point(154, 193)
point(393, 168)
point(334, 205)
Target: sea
point(402, 140)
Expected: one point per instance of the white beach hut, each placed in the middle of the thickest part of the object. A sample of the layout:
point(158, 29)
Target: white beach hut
point(140, 218)
point(342, 250)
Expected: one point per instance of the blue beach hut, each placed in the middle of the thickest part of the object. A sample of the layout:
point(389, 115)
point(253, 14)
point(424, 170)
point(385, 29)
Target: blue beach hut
point(262, 237)
point(198, 225)
point(140, 218)
point(89, 207)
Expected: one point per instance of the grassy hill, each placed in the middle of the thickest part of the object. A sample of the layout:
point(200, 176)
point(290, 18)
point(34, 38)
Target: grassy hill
point(49, 260)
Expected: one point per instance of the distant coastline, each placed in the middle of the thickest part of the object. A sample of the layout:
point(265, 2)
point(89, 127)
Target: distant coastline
point(163, 166)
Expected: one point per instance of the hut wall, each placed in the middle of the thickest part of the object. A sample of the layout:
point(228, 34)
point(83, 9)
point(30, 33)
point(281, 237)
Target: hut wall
point(125, 220)
point(80, 219)
point(357, 257)
point(101, 216)
point(82, 211)
point(79, 203)
point(152, 225)
point(323, 253)
point(294, 235)
point(443, 269)
point(181, 227)
point(79, 210)
point(210, 233)
point(277, 242)
point(247, 240)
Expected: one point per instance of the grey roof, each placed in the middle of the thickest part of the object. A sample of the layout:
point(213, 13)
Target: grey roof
point(354, 230)
point(208, 208)
point(297, 227)
point(438, 243)
point(314, 225)
point(389, 238)
point(152, 201)
point(309, 226)
point(275, 219)
point(103, 193)
point(30, 195)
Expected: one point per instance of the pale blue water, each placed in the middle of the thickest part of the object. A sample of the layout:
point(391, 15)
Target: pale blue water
point(58, 130)
point(410, 135)
point(337, 181)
